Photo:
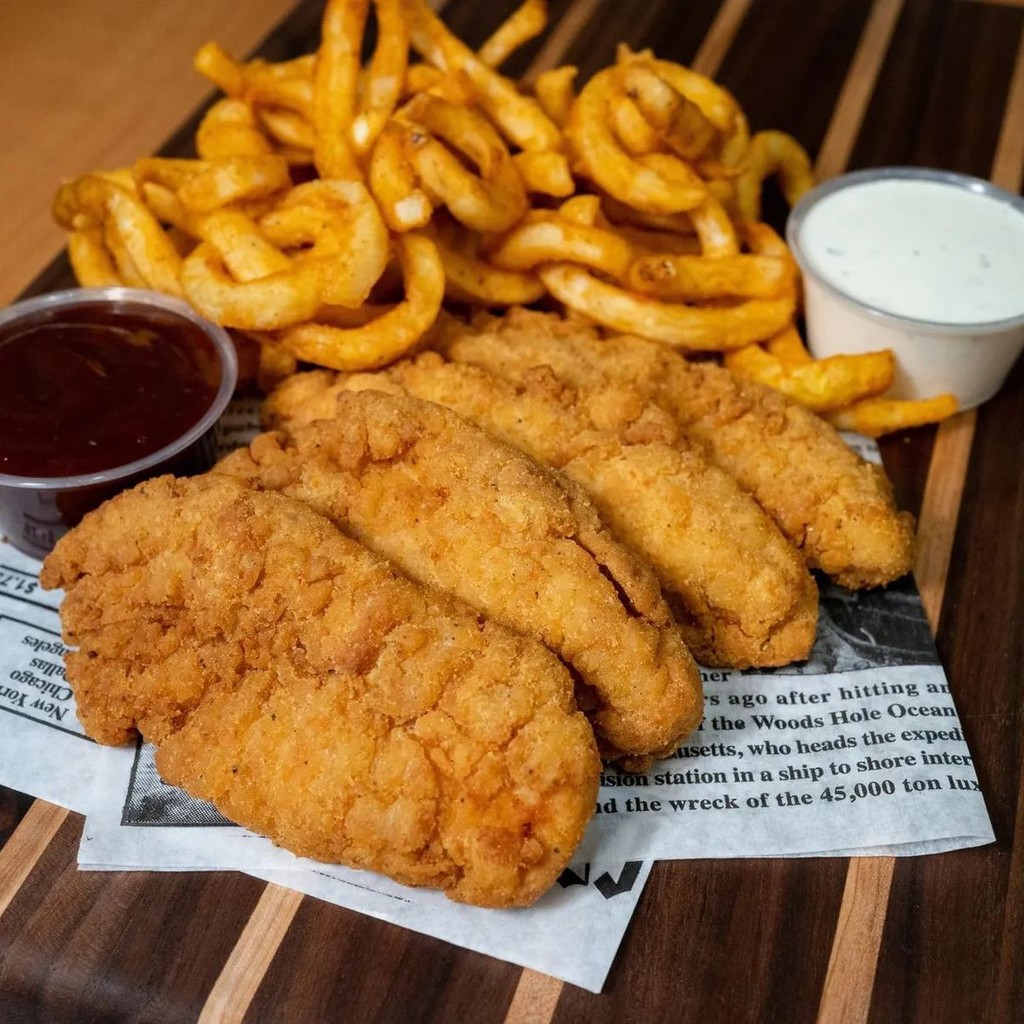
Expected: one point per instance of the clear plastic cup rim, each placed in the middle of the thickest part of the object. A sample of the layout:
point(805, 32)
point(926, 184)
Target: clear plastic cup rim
point(118, 296)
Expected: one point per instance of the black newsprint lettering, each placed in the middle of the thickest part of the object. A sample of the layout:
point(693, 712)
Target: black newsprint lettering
point(605, 884)
point(569, 877)
point(16, 706)
point(17, 584)
point(609, 887)
point(49, 725)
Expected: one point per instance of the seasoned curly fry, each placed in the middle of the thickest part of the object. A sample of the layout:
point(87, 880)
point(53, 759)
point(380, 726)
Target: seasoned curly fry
point(382, 84)
point(771, 153)
point(519, 118)
point(230, 129)
point(523, 24)
point(382, 340)
point(546, 238)
point(690, 328)
point(335, 92)
point(878, 416)
point(823, 385)
point(470, 278)
point(144, 255)
point(555, 92)
point(654, 162)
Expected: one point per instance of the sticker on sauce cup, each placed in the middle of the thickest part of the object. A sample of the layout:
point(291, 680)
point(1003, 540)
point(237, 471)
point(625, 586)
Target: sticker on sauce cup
point(926, 263)
point(101, 388)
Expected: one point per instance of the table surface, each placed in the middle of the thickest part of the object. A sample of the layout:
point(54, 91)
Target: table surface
point(936, 939)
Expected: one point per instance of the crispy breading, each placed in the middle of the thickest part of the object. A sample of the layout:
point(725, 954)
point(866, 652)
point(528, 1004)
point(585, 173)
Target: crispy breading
point(315, 694)
point(836, 507)
point(740, 592)
point(456, 509)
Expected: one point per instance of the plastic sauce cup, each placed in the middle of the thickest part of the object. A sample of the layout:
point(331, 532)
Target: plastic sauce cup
point(63, 449)
point(927, 263)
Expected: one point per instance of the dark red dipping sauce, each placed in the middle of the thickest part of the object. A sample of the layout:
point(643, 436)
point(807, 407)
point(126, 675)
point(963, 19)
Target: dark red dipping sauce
point(90, 388)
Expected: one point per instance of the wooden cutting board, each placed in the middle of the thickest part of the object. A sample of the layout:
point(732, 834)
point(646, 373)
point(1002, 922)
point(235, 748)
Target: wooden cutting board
point(937, 939)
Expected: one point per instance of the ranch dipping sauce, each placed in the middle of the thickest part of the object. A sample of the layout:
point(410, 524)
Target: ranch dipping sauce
point(920, 249)
point(927, 263)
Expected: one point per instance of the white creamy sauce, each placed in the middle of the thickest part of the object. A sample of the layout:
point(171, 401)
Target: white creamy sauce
point(920, 249)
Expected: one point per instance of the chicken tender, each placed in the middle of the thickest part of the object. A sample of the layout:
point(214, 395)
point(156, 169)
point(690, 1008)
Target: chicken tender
point(311, 692)
point(740, 592)
point(458, 510)
point(836, 507)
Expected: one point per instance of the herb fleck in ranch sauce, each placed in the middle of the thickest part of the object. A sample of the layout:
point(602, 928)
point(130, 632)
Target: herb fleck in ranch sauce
point(920, 249)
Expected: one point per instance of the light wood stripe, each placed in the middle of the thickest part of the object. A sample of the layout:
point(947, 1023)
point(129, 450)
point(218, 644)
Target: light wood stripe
point(940, 508)
point(844, 998)
point(21, 852)
point(947, 471)
point(860, 81)
point(536, 996)
point(244, 969)
point(1008, 165)
point(853, 959)
point(720, 37)
point(535, 999)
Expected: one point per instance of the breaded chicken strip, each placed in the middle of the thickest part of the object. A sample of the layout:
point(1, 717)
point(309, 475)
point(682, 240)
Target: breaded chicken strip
point(311, 692)
point(740, 592)
point(458, 510)
point(836, 507)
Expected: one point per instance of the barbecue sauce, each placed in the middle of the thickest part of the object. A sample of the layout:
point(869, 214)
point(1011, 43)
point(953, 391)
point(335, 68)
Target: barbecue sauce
point(91, 388)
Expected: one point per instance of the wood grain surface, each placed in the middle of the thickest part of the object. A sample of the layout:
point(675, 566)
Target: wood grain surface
point(936, 939)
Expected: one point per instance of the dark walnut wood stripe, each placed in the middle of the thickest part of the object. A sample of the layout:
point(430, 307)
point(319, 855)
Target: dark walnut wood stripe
point(720, 36)
point(834, 152)
point(13, 807)
point(939, 510)
point(536, 996)
point(660, 24)
point(938, 100)
point(789, 61)
point(78, 946)
point(721, 941)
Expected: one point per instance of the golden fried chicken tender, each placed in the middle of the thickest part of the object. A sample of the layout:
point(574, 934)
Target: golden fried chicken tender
point(458, 510)
point(740, 592)
point(313, 693)
point(835, 506)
